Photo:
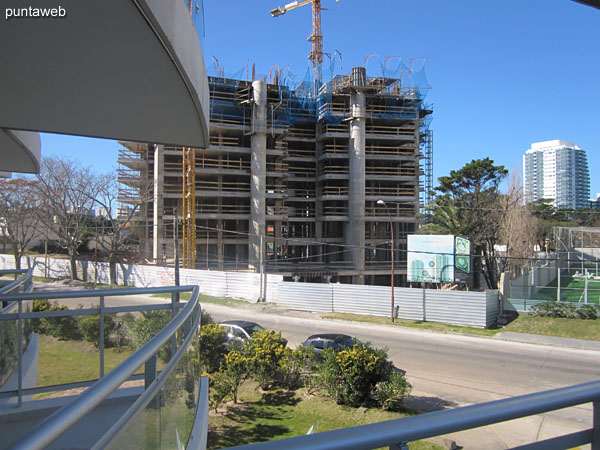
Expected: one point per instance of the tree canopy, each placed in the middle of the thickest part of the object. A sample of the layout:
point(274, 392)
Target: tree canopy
point(469, 204)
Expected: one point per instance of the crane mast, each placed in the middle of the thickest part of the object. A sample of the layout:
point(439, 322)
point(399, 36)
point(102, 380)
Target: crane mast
point(316, 55)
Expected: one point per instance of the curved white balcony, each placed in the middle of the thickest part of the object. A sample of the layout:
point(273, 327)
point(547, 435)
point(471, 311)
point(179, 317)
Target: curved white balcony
point(130, 70)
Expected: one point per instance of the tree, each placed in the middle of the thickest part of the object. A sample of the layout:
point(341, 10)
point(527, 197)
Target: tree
point(264, 353)
point(120, 227)
point(519, 229)
point(212, 348)
point(352, 375)
point(20, 214)
point(66, 191)
point(469, 204)
point(236, 371)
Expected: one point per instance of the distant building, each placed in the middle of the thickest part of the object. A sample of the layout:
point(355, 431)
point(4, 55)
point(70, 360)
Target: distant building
point(557, 170)
point(595, 202)
point(101, 212)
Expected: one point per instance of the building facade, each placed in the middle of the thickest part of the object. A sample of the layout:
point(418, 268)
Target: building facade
point(556, 170)
point(290, 180)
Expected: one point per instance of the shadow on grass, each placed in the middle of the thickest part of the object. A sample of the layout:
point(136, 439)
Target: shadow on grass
point(231, 436)
point(253, 421)
point(279, 398)
point(251, 411)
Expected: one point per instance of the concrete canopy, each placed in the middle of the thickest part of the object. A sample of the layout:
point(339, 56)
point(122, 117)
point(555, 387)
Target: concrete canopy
point(118, 69)
point(19, 151)
point(593, 3)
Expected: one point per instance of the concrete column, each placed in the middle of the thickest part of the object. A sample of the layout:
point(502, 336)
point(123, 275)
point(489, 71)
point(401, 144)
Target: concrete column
point(220, 253)
point(319, 195)
point(158, 228)
point(356, 183)
point(258, 167)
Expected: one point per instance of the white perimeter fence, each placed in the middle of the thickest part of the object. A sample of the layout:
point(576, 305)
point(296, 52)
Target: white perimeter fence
point(480, 309)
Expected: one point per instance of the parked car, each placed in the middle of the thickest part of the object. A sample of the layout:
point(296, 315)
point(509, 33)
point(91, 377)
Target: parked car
point(240, 330)
point(320, 342)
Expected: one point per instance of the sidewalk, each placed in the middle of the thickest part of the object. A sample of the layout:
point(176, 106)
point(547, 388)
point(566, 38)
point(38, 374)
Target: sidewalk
point(581, 344)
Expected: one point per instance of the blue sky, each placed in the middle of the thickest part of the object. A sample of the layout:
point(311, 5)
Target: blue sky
point(503, 74)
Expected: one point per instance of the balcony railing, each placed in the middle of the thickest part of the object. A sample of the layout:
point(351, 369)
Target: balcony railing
point(166, 394)
point(20, 284)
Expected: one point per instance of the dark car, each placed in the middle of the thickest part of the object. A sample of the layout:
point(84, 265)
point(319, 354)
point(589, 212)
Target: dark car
point(240, 330)
point(329, 340)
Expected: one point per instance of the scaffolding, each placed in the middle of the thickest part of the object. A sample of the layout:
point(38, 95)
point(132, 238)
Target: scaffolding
point(189, 208)
point(427, 167)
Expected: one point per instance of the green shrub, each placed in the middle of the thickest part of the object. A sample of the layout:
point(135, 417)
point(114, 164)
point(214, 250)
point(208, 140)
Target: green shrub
point(300, 367)
point(119, 335)
point(90, 328)
point(220, 389)
point(290, 373)
point(63, 328)
point(589, 312)
point(264, 352)
point(147, 326)
point(391, 393)
point(566, 310)
point(351, 375)
point(205, 318)
point(211, 348)
point(555, 309)
point(236, 371)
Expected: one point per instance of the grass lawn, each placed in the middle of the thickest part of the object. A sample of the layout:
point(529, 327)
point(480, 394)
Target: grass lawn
point(559, 327)
point(281, 414)
point(226, 301)
point(71, 361)
point(62, 362)
point(571, 290)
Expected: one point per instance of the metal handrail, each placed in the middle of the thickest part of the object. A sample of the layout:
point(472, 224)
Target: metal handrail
point(25, 281)
point(96, 293)
point(395, 433)
point(63, 419)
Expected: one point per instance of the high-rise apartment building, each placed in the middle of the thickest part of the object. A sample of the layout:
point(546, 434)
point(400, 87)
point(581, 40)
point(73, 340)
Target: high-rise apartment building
point(557, 170)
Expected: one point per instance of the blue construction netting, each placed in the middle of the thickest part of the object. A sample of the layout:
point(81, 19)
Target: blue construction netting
point(403, 89)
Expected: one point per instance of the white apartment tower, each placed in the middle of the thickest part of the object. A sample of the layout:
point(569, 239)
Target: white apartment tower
point(556, 170)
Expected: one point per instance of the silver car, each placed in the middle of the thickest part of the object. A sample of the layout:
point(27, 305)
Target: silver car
point(240, 330)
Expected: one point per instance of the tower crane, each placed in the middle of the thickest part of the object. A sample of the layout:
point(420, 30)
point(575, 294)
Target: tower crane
point(316, 55)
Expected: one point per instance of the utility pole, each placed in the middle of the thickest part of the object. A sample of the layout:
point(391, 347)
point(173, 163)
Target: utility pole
point(261, 295)
point(96, 255)
point(382, 203)
point(46, 257)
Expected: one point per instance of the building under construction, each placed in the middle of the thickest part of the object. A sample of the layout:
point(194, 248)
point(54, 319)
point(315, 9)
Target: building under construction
point(291, 180)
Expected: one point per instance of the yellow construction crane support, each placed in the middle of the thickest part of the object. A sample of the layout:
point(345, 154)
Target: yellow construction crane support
point(189, 208)
point(316, 55)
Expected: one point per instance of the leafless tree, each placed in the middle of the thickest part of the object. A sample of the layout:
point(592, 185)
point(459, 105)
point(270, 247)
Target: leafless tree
point(19, 214)
point(519, 227)
point(120, 221)
point(67, 190)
